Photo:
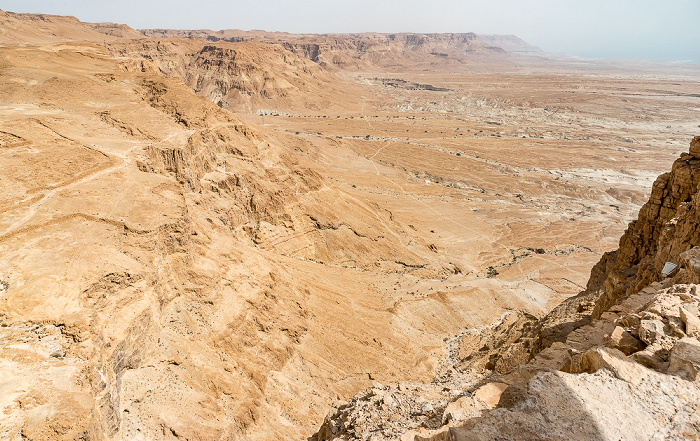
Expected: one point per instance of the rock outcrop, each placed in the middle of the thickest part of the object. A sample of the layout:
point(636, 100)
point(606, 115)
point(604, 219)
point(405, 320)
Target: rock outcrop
point(243, 77)
point(665, 231)
point(595, 386)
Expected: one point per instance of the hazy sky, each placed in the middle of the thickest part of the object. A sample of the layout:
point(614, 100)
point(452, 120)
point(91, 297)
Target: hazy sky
point(625, 29)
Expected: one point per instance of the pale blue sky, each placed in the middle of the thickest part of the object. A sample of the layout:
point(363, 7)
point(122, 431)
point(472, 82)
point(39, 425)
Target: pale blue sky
point(624, 29)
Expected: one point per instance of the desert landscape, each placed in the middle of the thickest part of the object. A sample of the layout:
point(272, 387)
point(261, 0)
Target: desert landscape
point(248, 235)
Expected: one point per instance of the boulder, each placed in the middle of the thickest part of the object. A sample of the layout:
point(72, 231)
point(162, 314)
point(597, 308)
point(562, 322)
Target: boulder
point(388, 401)
point(463, 409)
point(616, 362)
point(650, 330)
point(691, 321)
point(649, 358)
point(624, 341)
point(490, 393)
point(685, 358)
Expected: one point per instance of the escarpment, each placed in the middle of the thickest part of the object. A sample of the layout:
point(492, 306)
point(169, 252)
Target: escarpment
point(666, 227)
point(665, 230)
point(357, 52)
point(245, 76)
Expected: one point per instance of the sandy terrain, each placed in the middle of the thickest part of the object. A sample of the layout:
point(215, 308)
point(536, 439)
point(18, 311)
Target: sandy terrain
point(173, 270)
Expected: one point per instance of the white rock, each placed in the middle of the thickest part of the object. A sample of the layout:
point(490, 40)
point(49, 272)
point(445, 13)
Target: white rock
point(650, 330)
point(388, 400)
point(615, 361)
point(691, 321)
point(426, 408)
point(463, 409)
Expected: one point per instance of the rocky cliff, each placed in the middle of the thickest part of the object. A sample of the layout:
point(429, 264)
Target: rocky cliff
point(359, 51)
point(243, 77)
point(666, 228)
point(619, 361)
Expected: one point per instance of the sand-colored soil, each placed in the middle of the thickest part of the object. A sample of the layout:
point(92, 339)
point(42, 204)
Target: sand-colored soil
point(171, 269)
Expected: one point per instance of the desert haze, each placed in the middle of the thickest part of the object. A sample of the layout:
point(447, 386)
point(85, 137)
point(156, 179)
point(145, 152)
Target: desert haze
point(249, 235)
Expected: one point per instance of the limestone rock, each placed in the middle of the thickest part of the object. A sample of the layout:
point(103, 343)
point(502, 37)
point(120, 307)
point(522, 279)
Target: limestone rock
point(690, 260)
point(388, 400)
point(650, 330)
point(490, 393)
point(624, 341)
point(405, 410)
point(463, 409)
point(691, 321)
point(615, 361)
point(513, 396)
point(598, 406)
point(685, 358)
point(650, 359)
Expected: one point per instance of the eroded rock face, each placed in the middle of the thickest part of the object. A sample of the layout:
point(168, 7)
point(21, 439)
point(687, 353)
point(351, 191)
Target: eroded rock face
point(136, 298)
point(243, 76)
point(358, 51)
point(666, 227)
point(666, 230)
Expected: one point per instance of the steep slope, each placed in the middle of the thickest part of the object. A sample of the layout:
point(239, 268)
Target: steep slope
point(665, 229)
point(245, 77)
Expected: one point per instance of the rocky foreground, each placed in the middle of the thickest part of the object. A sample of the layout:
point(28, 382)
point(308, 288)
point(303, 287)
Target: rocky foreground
point(619, 361)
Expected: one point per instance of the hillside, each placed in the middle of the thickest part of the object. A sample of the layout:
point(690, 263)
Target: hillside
point(245, 77)
point(209, 239)
point(43, 28)
point(126, 197)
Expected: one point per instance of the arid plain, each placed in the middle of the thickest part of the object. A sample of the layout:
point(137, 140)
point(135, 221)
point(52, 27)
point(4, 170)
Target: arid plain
point(217, 240)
